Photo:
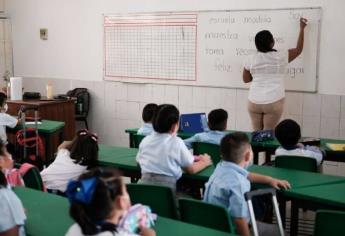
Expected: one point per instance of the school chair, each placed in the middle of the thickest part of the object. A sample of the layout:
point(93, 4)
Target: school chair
point(296, 163)
point(31, 176)
point(137, 138)
point(329, 222)
point(211, 149)
point(161, 199)
point(205, 214)
point(82, 105)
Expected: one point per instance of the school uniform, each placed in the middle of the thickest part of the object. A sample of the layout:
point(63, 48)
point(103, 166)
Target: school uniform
point(145, 129)
point(11, 211)
point(75, 230)
point(161, 158)
point(6, 121)
point(57, 175)
point(226, 187)
point(307, 151)
point(212, 136)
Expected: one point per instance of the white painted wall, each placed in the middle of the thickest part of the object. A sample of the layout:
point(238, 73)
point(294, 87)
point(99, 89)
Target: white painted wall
point(74, 49)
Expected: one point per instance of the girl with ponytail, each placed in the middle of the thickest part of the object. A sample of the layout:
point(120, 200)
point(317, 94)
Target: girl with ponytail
point(73, 158)
point(99, 201)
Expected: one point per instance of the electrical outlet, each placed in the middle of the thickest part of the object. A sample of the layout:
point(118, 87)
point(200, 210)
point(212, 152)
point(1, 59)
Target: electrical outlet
point(44, 34)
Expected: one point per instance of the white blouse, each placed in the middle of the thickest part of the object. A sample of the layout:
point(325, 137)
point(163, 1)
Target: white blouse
point(268, 72)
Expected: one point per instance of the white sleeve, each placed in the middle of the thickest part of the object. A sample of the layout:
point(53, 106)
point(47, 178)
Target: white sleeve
point(186, 158)
point(7, 120)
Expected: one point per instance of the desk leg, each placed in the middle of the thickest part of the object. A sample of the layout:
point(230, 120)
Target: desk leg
point(256, 157)
point(282, 209)
point(294, 218)
point(131, 140)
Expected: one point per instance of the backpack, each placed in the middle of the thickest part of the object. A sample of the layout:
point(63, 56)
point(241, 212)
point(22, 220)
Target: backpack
point(83, 100)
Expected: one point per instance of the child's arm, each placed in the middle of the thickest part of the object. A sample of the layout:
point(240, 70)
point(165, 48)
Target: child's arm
point(189, 141)
point(242, 226)
point(65, 145)
point(263, 179)
point(204, 162)
point(147, 232)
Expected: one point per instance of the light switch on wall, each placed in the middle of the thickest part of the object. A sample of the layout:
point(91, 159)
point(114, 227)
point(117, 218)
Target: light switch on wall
point(44, 34)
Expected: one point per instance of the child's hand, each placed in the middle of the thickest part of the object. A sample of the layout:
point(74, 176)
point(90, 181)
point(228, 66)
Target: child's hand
point(147, 232)
point(280, 184)
point(300, 145)
point(206, 159)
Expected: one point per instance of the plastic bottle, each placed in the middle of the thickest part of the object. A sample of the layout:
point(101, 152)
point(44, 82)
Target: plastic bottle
point(49, 91)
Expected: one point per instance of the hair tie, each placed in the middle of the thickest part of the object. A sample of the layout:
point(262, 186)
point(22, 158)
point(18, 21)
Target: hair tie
point(81, 191)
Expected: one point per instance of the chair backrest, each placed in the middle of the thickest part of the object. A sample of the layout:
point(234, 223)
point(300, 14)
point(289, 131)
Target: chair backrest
point(329, 222)
point(31, 176)
point(211, 149)
point(161, 199)
point(296, 163)
point(137, 138)
point(205, 214)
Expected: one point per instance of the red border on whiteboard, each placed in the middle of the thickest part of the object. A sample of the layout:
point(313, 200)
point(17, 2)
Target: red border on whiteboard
point(150, 78)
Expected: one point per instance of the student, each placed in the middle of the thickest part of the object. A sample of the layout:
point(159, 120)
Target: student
point(73, 158)
point(12, 216)
point(11, 174)
point(163, 156)
point(217, 122)
point(288, 133)
point(231, 180)
point(99, 200)
point(6, 120)
point(149, 112)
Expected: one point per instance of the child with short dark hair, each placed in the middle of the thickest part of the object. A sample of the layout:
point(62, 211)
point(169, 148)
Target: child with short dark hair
point(73, 158)
point(11, 209)
point(231, 180)
point(99, 200)
point(217, 123)
point(6, 120)
point(163, 156)
point(288, 133)
point(149, 112)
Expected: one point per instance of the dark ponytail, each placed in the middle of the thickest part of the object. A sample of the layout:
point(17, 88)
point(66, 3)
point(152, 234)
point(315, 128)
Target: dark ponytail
point(91, 217)
point(263, 41)
point(3, 180)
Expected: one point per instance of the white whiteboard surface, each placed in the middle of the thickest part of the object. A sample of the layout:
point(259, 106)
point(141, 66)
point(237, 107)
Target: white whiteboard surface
point(222, 41)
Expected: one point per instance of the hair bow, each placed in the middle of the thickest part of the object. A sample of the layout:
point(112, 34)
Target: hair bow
point(81, 191)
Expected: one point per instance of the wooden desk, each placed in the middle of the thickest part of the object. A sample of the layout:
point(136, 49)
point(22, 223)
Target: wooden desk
point(56, 110)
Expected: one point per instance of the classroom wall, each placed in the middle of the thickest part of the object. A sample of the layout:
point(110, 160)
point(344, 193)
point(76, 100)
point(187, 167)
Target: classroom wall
point(73, 57)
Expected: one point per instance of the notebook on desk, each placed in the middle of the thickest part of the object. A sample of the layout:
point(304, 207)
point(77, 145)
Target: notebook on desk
point(336, 146)
point(193, 123)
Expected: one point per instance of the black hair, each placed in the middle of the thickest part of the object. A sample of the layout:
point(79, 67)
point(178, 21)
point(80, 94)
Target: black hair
point(233, 146)
point(149, 112)
point(109, 186)
point(263, 41)
point(167, 115)
point(217, 119)
point(3, 180)
point(3, 99)
point(288, 133)
point(84, 149)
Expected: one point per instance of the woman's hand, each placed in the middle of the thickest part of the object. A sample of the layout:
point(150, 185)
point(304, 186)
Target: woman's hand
point(302, 23)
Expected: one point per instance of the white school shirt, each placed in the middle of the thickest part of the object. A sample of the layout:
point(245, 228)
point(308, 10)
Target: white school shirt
point(11, 211)
point(146, 129)
point(163, 154)
point(268, 72)
point(62, 170)
point(308, 151)
point(212, 136)
point(75, 230)
point(6, 120)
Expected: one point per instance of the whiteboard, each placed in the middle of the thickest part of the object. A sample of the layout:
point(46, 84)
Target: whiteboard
point(206, 48)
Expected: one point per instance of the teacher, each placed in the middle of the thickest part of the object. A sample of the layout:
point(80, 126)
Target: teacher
point(266, 70)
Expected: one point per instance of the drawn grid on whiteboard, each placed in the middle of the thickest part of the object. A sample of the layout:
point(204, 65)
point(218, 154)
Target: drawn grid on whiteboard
point(146, 46)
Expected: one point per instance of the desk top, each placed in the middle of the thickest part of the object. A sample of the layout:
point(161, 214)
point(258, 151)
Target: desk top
point(46, 126)
point(39, 102)
point(330, 194)
point(48, 214)
point(296, 178)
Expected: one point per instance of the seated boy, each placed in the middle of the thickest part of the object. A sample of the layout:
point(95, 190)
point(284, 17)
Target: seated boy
point(163, 156)
point(231, 180)
point(217, 121)
point(288, 133)
point(149, 112)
